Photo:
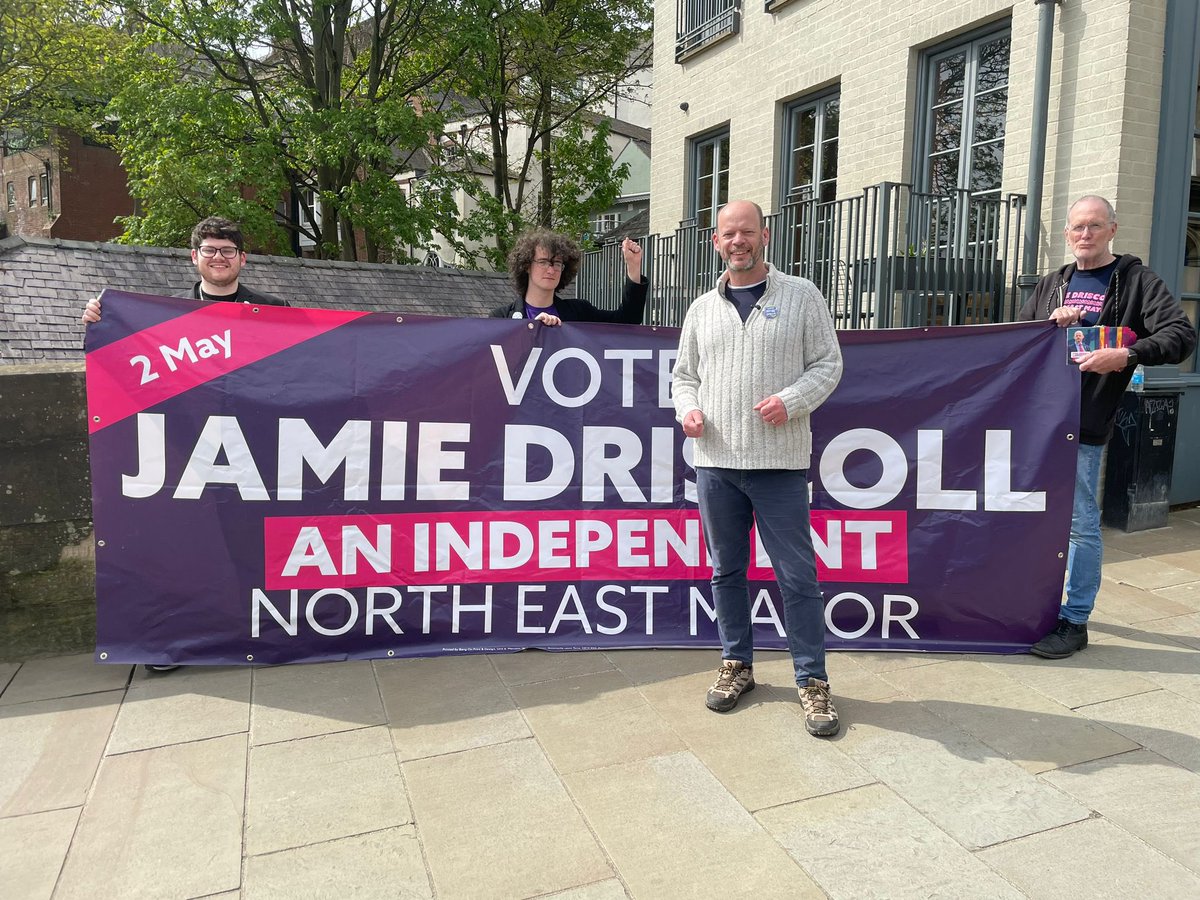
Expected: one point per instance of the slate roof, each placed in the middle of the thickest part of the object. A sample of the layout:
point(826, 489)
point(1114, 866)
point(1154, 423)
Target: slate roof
point(44, 285)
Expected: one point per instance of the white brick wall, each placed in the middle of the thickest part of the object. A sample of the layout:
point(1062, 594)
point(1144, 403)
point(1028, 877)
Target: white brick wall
point(1104, 98)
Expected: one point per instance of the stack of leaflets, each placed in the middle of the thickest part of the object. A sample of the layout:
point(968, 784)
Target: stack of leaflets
point(1082, 339)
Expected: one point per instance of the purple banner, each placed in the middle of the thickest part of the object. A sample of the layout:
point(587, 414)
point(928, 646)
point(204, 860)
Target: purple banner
point(280, 485)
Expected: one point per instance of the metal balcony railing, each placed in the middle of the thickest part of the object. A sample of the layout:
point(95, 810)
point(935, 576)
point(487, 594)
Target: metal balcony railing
point(700, 22)
point(889, 257)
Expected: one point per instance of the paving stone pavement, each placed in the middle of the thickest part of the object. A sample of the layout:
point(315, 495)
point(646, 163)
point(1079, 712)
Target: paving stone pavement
point(600, 776)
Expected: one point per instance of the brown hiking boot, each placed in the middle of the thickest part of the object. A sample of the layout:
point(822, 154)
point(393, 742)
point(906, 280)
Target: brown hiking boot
point(820, 716)
point(734, 678)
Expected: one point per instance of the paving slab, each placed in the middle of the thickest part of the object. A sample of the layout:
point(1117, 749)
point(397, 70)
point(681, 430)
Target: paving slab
point(32, 850)
point(1093, 859)
point(1150, 541)
point(599, 890)
point(300, 701)
point(385, 864)
point(671, 829)
point(1144, 794)
point(7, 671)
point(1133, 604)
point(497, 822)
point(63, 676)
point(953, 779)
point(1187, 558)
point(1187, 594)
point(51, 749)
point(596, 720)
point(1161, 721)
point(532, 666)
point(910, 857)
point(782, 762)
point(317, 789)
point(1090, 676)
point(446, 704)
point(644, 666)
point(1149, 574)
point(880, 662)
point(1184, 629)
point(1010, 717)
point(165, 822)
point(189, 704)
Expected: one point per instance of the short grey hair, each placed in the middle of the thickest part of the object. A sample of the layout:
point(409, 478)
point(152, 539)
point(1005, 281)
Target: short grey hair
point(1109, 208)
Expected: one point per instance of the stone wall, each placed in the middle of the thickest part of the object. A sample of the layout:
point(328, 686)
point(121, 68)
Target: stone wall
point(47, 560)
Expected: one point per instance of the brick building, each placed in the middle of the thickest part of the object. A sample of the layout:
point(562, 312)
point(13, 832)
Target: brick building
point(70, 189)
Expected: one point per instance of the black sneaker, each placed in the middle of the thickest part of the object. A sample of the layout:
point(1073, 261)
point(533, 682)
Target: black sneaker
point(150, 668)
point(1064, 640)
point(734, 678)
point(820, 715)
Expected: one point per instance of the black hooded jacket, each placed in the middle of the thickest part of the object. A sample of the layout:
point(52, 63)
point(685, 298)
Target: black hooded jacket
point(1137, 299)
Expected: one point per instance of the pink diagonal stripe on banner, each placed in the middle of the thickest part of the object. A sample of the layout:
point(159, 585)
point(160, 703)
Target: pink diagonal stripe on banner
point(157, 363)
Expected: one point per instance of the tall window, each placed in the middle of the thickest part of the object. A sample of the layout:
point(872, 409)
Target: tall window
point(44, 184)
point(965, 116)
point(710, 183)
point(810, 150)
point(33, 190)
point(11, 191)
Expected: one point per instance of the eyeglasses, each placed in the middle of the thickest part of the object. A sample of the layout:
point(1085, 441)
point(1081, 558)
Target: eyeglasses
point(550, 263)
point(209, 252)
point(1088, 227)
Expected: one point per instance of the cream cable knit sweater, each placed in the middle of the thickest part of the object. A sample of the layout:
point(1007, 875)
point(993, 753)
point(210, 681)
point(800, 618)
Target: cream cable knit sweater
point(786, 347)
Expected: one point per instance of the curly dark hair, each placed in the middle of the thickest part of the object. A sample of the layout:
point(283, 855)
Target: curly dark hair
point(218, 227)
point(521, 257)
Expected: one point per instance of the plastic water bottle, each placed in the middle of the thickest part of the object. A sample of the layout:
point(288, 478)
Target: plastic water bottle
point(1138, 381)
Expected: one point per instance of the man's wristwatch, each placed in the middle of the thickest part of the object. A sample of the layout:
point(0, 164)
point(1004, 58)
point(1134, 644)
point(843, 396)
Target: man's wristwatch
point(1133, 357)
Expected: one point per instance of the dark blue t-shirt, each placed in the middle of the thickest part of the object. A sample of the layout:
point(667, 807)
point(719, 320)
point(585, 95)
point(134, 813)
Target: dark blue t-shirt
point(1086, 291)
point(745, 298)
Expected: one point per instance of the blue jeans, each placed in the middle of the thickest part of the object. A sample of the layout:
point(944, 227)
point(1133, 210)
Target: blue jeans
point(1083, 560)
point(731, 500)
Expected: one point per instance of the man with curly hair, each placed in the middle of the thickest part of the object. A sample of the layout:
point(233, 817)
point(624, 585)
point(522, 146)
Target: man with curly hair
point(542, 262)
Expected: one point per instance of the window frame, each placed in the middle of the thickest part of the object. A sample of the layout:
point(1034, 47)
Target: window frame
point(696, 147)
point(970, 44)
point(32, 188)
point(787, 147)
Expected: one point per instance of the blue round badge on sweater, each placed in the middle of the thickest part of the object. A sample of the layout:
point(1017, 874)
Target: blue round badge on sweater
point(771, 312)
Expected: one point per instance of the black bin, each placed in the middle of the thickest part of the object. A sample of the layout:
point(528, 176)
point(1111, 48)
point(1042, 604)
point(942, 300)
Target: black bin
point(1137, 480)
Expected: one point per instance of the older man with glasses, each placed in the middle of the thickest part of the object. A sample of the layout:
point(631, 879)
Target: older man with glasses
point(543, 262)
point(1101, 288)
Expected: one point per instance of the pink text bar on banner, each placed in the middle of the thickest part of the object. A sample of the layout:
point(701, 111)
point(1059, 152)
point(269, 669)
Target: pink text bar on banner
point(553, 545)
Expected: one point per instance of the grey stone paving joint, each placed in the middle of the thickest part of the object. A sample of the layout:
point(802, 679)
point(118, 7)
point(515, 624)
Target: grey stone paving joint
point(601, 775)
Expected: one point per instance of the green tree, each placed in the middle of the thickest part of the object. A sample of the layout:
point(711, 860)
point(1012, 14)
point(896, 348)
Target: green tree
point(54, 67)
point(231, 107)
point(535, 72)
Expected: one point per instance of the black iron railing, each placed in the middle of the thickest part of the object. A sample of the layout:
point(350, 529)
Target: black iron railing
point(889, 257)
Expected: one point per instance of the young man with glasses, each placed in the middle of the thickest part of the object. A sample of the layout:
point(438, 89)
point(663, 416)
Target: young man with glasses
point(1100, 288)
point(542, 262)
point(218, 254)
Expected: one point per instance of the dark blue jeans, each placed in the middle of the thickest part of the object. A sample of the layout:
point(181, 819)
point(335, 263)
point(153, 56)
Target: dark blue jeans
point(731, 500)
